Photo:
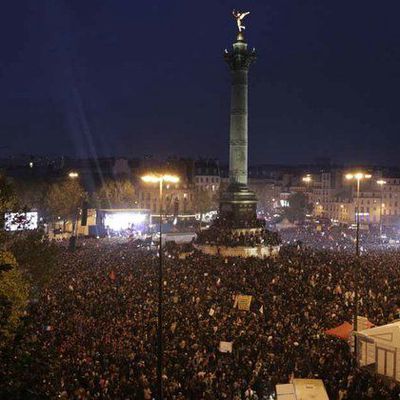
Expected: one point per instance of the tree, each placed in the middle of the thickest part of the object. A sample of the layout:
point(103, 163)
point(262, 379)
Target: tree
point(31, 193)
point(14, 292)
point(203, 202)
point(298, 207)
point(8, 199)
point(64, 199)
point(35, 254)
point(116, 194)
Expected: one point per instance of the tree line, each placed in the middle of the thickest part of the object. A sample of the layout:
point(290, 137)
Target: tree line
point(61, 200)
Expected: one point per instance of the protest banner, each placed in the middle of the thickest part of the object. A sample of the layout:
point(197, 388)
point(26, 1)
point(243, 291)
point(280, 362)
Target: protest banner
point(225, 347)
point(173, 327)
point(243, 302)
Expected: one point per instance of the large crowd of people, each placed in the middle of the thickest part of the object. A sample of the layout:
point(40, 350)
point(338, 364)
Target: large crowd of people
point(337, 238)
point(223, 236)
point(91, 334)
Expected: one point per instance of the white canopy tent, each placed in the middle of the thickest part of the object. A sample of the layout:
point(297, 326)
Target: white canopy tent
point(285, 224)
point(302, 389)
point(380, 348)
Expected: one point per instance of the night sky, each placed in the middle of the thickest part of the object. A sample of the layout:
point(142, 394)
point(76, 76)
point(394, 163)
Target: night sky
point(130, 77)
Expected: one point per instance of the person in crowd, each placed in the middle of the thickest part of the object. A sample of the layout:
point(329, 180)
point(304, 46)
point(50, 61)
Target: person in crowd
point(92, 332)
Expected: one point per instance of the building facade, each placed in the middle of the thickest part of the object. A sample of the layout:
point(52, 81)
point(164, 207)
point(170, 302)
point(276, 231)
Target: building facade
point(207, 175)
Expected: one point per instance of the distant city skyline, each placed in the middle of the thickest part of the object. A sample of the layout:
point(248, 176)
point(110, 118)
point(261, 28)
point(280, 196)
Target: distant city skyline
point(127, 79)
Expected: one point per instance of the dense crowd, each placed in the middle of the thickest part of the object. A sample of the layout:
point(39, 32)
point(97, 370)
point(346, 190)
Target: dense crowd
point(91, 334)
point(222, 236)
point(336, 238)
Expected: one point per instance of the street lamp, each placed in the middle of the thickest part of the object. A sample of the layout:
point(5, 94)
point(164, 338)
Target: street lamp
point(381, 183)
point(307, 179)
point(72, 243)
point(358, 177)
point(73, 175)
point(160, 179)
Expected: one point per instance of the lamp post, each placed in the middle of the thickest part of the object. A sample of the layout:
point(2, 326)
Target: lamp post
point(160, 179)
point(358, 177)
point(307, 180)
point(72, 244)
point(73, 175)
point(381, 183)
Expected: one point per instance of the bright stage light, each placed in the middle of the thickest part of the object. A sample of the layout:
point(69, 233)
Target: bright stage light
point(124, 220)
point(207, 217)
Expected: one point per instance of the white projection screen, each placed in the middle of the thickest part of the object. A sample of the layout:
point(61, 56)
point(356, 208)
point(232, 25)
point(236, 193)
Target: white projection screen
point(20, 221)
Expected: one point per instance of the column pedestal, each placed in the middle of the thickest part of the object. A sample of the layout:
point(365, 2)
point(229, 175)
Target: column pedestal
point(238, 206)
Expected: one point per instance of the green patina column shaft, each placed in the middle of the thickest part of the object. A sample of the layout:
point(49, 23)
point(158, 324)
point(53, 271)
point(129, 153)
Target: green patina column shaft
point(238, 204)
point(239, 61)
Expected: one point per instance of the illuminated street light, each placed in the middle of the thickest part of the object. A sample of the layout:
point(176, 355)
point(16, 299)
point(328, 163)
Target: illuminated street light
point(159, 178)
point(307, 180)
point(358, 177)
point(154, 178)
point(73, 175)
point(72, 241)
point(381, 183)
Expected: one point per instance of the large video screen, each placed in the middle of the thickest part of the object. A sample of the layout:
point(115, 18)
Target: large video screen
point(20, 221)
point(118, 221)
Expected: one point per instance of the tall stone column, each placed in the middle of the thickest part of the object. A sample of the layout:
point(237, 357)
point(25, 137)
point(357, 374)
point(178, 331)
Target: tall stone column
point(238, 204)
point(239, 61)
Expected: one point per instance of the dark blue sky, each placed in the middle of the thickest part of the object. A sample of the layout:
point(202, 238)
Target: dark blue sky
point(126, 77)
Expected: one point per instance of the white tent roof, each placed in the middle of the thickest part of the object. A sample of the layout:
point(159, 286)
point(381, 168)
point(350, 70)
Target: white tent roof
point(386, 334)
point(302, 389)
point(285, 224)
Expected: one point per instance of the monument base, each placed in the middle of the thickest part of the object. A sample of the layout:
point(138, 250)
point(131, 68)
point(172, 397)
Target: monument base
point(237, 232)
point(238, 242)
point(238, 207)
point(239, 251)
